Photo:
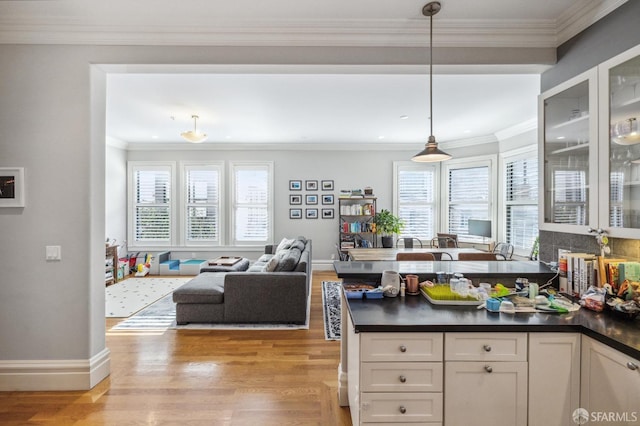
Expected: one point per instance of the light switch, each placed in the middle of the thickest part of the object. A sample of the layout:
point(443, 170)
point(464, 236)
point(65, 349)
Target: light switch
point(53, 252)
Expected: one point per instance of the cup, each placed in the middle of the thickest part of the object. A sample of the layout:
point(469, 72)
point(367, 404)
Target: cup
point(412, 284)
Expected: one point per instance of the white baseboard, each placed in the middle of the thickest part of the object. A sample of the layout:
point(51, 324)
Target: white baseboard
point(54, 375)
point(322, 265)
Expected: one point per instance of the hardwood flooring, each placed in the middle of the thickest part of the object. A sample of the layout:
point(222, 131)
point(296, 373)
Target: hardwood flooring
point(202, 377)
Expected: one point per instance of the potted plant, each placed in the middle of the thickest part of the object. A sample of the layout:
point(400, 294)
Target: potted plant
point(387, 224)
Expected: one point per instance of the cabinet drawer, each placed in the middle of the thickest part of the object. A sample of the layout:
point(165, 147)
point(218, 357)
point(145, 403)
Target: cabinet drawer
point(401, 347)
point(485, 347)
point(401, 377)
point(401, 407)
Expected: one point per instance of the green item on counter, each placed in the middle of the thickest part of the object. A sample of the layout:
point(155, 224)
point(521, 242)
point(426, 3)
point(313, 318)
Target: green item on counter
point(500, 291)
point(443, 292)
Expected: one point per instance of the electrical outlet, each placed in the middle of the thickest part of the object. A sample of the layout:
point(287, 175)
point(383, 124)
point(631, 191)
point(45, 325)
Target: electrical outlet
point(333, 256)
point(193, 255)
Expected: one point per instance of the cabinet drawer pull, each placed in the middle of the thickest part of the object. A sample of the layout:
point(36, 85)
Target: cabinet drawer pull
point(632, 366)
point(403, 348)
point(487, 348)
point(403, 379)
point(402, 409)
point(488, 368)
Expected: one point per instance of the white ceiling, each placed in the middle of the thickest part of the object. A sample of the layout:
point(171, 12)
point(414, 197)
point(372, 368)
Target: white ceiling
point(312, 104)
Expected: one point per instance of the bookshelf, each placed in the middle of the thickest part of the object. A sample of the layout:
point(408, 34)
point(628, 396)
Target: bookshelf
point(356, 222)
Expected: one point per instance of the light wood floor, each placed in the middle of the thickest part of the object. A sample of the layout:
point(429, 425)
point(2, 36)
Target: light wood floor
point(193, 377)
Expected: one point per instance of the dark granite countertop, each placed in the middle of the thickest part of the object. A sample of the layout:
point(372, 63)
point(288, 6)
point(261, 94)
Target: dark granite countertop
point(416, 314)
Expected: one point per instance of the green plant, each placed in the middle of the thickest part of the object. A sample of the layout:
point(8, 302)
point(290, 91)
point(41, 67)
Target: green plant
point(387, 223)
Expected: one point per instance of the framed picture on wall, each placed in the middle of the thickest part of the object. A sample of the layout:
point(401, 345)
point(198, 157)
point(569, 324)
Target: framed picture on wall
point(12, 187)
point(327, 213)
point(295, 199)
point(295, 213)
point(311, 185)
point(327, 185)
point(312, 213)
point(312, 199)
point(295, 185)
point(327, 199)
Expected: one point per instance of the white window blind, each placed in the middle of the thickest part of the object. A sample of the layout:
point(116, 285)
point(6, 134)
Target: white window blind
point(202, 187)
point(570, 197)
point(152, 204)
point(415, 198)
point(521, 202)
point(252, 209)
point(469, 197)
point(616, 199)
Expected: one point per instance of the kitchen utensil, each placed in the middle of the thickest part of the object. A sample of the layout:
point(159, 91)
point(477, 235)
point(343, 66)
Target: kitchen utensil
point(412, 284)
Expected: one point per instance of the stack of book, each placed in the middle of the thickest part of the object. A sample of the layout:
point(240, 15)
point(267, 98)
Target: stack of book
point(579, 271)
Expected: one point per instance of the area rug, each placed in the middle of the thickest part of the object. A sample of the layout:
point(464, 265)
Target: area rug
point(161, 316)
point(331, 309)
point(127, 297)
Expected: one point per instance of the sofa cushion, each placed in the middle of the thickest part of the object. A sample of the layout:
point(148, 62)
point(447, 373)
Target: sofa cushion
point(271, 265)
point(208, 287)
point(288, 260)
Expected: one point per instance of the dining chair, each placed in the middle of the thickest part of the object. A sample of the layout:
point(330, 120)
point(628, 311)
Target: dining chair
point(480, 256)
point(442, 255)
point(415, 256)
point(408, 241)
point(447, 240)
point(505, 249)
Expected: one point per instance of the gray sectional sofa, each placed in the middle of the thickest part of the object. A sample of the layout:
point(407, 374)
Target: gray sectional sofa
point(275, 289)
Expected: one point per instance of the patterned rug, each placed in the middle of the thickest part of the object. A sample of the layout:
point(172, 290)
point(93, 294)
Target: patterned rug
point(331, 309)
point(127, 297)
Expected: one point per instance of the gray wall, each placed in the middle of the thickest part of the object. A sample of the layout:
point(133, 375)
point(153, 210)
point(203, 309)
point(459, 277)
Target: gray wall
point(613, 34)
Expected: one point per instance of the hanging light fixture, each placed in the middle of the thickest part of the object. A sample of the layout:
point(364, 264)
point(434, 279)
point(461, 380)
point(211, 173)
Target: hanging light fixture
point(194, 136)
point(431, 153)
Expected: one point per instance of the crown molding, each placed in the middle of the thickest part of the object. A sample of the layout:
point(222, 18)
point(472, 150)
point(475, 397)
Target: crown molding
point(582, 15)
point(516, 130)
point(332, 33)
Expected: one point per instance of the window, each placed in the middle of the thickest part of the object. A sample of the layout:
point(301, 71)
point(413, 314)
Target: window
point(521, 201)
point(151, 194)
point(414, 189)
point(469, 195)
point(202, 189)
point(570, 196)
point(252, 205)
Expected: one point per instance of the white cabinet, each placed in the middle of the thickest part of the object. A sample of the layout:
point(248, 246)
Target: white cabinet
point(589, 150)
point(397, 378)
point(567, 157)
point(619, 121)
point(554, 377)
point(610, 383)
point(485, 379)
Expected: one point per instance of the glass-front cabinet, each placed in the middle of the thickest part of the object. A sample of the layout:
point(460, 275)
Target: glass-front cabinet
point(619, 91)
point(568, 155)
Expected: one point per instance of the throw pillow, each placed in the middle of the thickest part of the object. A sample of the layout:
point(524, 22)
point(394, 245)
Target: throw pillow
point(285, 244)
point(288, 260)
point(271, 264)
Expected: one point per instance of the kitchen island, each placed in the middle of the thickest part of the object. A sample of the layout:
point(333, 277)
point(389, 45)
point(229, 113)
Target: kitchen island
point(405, 360)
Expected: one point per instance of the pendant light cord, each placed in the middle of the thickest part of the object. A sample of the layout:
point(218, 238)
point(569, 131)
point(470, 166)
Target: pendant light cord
point(431, 74)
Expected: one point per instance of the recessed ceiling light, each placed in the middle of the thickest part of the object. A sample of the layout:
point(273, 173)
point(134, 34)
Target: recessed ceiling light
point(404, 117)
point(154, 137)
point(228, 136)
point(560, 138)
point(467, 131)
point(381, 137)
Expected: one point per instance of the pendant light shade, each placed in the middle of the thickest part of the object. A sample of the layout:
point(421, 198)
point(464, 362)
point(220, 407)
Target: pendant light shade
point(431, 153)
point(194, 136)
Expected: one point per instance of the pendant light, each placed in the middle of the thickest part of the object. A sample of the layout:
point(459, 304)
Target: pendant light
point(431, 153)
point(192, 135)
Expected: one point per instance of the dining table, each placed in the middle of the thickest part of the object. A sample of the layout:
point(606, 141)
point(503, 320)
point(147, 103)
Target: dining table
point(373, 254)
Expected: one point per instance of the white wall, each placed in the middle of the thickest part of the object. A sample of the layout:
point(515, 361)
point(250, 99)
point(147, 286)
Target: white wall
point(116, 197)
point(52, 312)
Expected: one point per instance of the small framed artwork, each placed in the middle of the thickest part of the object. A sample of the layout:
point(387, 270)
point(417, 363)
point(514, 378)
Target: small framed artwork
point(327, 185)
point(11, 186)
point(311, 185)
point(312, 199)
point(327, 213)
point(295, 185)
point(295, 213)
point(295, 199)
point(327, 199)
point(312, 213)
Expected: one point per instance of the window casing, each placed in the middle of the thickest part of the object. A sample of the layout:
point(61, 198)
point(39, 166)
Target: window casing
point(470, 193)
point(252, 203)
point(152, 200)
point(415, 198)
point(202, 214)
point(520, 212)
